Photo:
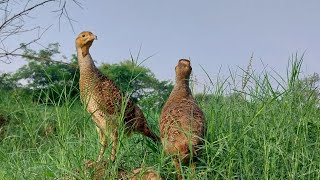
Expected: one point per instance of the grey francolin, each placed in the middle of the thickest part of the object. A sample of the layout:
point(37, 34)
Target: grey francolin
point(137, 174)
point(105, 101)
point(181, 119)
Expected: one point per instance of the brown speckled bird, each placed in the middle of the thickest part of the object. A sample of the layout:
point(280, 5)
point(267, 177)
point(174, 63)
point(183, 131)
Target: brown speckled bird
point(104, 100)
point(99, 173)
point(181, 119)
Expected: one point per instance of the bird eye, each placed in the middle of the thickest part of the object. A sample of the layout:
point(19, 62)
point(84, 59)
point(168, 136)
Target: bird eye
point(83, 35)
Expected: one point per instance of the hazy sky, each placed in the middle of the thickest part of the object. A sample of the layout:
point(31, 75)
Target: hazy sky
point(213, 33)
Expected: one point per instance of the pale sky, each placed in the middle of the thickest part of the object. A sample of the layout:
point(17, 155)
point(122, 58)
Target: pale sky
point(214, 34)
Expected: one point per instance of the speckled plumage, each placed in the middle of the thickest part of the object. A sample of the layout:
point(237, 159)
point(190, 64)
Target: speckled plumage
point(136, 174)
point(181, 119)
point(104, 100)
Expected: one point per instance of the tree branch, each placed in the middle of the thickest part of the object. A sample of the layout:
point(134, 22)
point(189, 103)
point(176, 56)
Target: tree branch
point(24, 12)
point(13, 23)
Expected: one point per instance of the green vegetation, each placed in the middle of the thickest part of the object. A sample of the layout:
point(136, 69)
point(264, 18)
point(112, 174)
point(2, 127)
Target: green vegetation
point(140, 82)
point(260, 130)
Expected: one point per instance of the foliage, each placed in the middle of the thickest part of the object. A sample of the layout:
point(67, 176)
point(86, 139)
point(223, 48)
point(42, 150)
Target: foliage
point(129, 77)
point(7, 82)
point(46, 77)
point(138, 81)
point(309, 87)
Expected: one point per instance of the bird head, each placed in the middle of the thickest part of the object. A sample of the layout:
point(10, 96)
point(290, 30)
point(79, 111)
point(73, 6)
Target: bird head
point(183, 69)
point(84, 41)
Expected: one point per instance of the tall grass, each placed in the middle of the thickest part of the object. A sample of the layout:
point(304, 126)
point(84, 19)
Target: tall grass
point(268, 128)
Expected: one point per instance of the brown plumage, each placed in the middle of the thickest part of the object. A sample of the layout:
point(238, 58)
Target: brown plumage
point(99, 173)
point(104, 100)
point(181, 119)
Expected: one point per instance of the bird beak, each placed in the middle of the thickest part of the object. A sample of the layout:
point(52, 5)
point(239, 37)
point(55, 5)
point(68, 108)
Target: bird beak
point(93, 37)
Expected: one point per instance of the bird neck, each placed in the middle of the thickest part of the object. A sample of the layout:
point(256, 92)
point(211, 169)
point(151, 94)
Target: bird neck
point(181, 89)
point(86, 63)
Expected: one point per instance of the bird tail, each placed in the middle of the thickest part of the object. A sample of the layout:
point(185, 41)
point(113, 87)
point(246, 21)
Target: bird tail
point(147, 132)
point(143, 127)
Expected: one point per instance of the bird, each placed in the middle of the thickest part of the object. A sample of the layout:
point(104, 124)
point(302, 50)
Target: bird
point(100, 172)
point(105, 101)
point(146, 173)
point(181, 120)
